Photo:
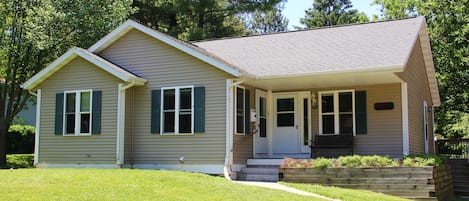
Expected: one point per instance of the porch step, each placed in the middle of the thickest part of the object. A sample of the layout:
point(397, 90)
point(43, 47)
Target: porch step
point(260, 170)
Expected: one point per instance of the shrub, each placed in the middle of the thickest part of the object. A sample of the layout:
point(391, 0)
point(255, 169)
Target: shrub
point(20, 139)
point(20, 160)
point(296, 163)
point(423, 160)
point(322, 163)
point(378, 161)
point(349, 161)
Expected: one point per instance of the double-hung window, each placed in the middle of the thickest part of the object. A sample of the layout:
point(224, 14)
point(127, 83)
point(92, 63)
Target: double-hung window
point(177, 115)
point(77, 113)
point(242, 111)
point(337, 112)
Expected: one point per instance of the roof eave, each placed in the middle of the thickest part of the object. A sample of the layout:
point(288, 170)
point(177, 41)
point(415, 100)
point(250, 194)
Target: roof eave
point(130, 24)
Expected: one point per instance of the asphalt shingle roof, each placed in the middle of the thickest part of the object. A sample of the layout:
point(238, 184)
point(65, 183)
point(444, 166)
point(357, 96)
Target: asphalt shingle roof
point(346, 48)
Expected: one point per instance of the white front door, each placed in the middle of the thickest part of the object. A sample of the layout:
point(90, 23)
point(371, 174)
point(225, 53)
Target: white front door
point(286, 132)
point(261, 145)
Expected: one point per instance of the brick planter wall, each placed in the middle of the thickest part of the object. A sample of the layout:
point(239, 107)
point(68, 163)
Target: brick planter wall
point(426, 183)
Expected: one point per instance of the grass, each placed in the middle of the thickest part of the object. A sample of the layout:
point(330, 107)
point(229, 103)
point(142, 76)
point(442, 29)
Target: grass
point(127, 184)
point(344, 194)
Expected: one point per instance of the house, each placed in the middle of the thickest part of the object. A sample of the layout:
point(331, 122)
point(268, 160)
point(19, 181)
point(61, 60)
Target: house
point(139, 98)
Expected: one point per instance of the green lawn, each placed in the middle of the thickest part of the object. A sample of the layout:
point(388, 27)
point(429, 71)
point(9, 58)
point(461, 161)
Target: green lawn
point(127, 184)
point(344, 194)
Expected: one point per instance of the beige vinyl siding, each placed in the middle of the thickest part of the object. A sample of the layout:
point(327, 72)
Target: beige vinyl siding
point(165, 66)
point(242, 144)
point(418, 91)
point(129, 122)
point(384, 135)
point(96, 149)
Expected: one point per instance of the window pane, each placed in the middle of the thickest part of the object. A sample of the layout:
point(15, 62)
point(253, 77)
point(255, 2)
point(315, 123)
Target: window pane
point(345, 102)
point(168, 125)
point(85, 123)
point(328, 124)
point(186, 98)
point(239, 124)
point(239, 99)
point(262, 106)
point(70, 103)
point(70, 123)
point(285, 120)
point(305, 122)
point(169, 97)
point(346, 123)
point(85, 102)
point(262, 127)
point(185, 123)
point(327, 102)
point(287, 104)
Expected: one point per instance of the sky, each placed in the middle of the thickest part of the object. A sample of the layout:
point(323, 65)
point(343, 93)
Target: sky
point(295, 9)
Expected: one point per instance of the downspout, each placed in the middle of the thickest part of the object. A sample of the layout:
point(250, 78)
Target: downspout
point(121, 121)
point(229, 126)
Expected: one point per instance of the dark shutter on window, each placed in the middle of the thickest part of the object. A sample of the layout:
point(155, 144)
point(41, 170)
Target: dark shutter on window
point(199, 109)
point(360, 112)
point(59, 113)
point(96, 113)
point(247, 112)
point(155, 111)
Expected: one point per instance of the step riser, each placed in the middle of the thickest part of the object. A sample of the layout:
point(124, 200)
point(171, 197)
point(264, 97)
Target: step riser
point(270, 171)
point(257, 177)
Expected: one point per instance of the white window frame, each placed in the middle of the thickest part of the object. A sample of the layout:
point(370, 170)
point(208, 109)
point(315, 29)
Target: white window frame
point(336, 113)
point(236, 107)
point(177, 99)
point(77, 113)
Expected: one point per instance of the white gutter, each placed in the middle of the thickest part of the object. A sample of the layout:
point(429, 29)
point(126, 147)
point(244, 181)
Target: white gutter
point(38, 117)
point(229, 126)
point(121, 121)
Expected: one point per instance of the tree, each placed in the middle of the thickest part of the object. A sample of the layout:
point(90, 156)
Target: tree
point(332, 12)
point(268, 21)
point(198, 20)
point(449, 32)
point(35, 32)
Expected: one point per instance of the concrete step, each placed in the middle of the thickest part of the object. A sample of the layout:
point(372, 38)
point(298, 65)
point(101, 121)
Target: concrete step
point(257, 177)
point(264, 162)
point(253, 170)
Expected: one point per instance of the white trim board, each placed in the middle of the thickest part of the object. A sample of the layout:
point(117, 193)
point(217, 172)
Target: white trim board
point(38, 126)
point(90, 57)
point(187, 48)
point(405, 119)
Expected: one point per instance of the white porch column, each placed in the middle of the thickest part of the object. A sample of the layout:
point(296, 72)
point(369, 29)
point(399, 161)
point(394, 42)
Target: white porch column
point(38, 126)
point(270, 124)
point(120, 124)
point(405, 119)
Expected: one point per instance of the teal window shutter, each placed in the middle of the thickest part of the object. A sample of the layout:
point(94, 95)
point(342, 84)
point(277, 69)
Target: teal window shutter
point(155, 111)
point(247, 112)
point(59, 113)
point(96, 113)
point(360, 112)
point(199, 109)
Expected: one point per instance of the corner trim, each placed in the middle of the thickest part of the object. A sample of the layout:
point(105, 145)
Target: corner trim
point(38, 126)
point(405, 119)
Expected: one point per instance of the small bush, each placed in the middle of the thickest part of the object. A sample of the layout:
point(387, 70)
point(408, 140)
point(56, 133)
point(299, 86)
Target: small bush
point(349, 161)
point(20, 161)
point(378, 161)
point(322, 163)
point(423, 160)
point(296, 163)
point(20, 139)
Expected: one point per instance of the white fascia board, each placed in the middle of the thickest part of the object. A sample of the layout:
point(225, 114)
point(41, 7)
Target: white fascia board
point(129, 24)
point(72, 54)
point(390, 69)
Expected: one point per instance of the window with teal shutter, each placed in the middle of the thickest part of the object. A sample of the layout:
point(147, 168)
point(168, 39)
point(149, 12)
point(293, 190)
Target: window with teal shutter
point(360, 112)
point(155, 111)
point(199, 109)
point(96, 113)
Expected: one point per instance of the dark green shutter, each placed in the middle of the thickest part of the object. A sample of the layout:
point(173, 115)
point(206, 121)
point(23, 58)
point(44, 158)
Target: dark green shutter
point(96, 113)
point(199, 109)
point(247, 112)
point(155, 110)
point(360, 112)
point(59, 113)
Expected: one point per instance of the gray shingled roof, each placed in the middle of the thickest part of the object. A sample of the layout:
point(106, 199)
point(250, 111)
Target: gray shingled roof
point(370, 46)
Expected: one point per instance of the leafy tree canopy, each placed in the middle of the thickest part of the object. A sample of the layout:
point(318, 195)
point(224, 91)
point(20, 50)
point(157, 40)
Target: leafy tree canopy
point(332, 12)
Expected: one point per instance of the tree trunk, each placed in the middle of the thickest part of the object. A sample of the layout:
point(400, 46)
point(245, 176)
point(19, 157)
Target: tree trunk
point(4, 125)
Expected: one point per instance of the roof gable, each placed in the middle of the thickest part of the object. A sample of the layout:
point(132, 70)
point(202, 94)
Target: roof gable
point(92, 58)
point(178, 44)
